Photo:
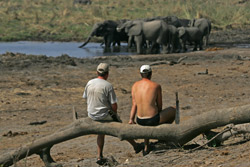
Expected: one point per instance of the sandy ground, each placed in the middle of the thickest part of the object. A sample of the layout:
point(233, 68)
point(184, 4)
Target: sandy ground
point(40, 88)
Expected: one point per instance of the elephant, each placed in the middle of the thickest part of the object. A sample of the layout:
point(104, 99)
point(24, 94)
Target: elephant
point(190, 34)
point(184, 23)
point(172, 37)
point(205, 27)
point(175, 21)
point(171, 20)
point(107, 30)
point(157, 32)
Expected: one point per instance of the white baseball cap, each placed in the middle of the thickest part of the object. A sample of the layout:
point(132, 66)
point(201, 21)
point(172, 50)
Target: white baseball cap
point(145, 69)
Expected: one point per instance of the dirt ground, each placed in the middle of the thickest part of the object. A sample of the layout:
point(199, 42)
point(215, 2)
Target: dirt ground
point(45, 89)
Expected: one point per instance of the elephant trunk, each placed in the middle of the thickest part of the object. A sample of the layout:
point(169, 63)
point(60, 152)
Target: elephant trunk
point(85, 43)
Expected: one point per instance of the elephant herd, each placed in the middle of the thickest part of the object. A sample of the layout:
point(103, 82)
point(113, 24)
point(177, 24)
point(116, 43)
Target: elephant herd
point(169, 33)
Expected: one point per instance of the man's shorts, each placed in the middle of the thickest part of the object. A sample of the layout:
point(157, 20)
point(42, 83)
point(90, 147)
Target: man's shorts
point(154, 121)
point(108, 118)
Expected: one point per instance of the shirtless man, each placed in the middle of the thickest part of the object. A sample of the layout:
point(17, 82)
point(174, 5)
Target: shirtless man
point(147, 104)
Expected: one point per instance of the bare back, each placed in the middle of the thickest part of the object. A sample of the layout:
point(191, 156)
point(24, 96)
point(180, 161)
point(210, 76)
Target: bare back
point(147, 97)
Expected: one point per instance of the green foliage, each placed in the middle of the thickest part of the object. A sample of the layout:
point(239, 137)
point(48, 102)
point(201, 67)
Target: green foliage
point(62, 20)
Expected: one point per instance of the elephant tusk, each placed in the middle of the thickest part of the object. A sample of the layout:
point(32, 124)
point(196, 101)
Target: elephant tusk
point(118, 29)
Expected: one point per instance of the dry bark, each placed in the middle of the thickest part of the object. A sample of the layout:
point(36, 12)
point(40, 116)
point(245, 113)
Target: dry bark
point(178, 134)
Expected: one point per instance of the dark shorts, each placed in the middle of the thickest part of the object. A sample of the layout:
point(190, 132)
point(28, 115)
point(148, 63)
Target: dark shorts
point(154, 121)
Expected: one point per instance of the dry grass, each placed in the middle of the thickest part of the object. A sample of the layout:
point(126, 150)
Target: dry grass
point(62, 20)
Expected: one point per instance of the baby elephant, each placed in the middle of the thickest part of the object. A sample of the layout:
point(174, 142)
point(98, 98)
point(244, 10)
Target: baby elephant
point(191, 35)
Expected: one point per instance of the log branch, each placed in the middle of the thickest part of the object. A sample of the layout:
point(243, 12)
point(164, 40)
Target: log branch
point(179, 134)
point(234, 130)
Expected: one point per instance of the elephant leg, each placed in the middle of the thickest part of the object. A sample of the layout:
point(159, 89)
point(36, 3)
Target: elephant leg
point(178, 46)
point(200, 45)
point(184, 48)
point(105, 40)
point(108, 44)
point(175, 47)
point(147, 43)
point(195, 46)
point(154, 46)
point(206, 41)
point(170, 47)
point(118, 43)
point(108, 40)
point(131, 41)
point(157, 48)
point(139, 42)
point(165, 49)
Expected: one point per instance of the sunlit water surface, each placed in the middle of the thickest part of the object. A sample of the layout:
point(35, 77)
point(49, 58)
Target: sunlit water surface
point(72, 49)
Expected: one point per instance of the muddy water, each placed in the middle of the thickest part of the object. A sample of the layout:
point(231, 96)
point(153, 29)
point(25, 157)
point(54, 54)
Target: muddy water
point(55, 49)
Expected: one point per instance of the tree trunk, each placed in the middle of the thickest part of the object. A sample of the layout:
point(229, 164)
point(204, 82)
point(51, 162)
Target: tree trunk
point(178, 134)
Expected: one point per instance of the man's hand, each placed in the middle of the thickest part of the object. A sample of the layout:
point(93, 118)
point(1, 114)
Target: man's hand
point(131, 121)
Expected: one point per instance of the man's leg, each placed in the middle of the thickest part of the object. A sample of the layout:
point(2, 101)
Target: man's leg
point(137, 147)
point(132, 142)
point(167, 115)
point(100, 145)
point(146, 143)
point(146, 147)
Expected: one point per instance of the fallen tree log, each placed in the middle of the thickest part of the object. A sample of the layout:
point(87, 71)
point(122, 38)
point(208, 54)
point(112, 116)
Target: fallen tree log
point(178, 134)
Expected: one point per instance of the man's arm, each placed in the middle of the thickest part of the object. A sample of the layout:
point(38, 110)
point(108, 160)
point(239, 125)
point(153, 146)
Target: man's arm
point(113, 100)
point(133, 109)
point(114, 107)
point(132, 114)
point(159, 98)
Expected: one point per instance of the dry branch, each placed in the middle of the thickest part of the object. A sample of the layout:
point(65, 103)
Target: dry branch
point(235, 129)
point(178, 134)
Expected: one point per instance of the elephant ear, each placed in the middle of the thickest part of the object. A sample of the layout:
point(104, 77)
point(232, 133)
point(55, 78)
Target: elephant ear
point(134, 30)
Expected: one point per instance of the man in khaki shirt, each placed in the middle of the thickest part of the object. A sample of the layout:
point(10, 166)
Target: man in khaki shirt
point(147, 104)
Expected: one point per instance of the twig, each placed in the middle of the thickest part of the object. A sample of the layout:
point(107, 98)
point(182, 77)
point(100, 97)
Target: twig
point(38, 122)
point(180, 59)
point(225, 130)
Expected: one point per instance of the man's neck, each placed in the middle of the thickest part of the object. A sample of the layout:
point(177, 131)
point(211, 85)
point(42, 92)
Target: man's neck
point(146, 79)
point(100, 77)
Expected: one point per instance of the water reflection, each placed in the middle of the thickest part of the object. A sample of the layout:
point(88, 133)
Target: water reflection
point(55, 49)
